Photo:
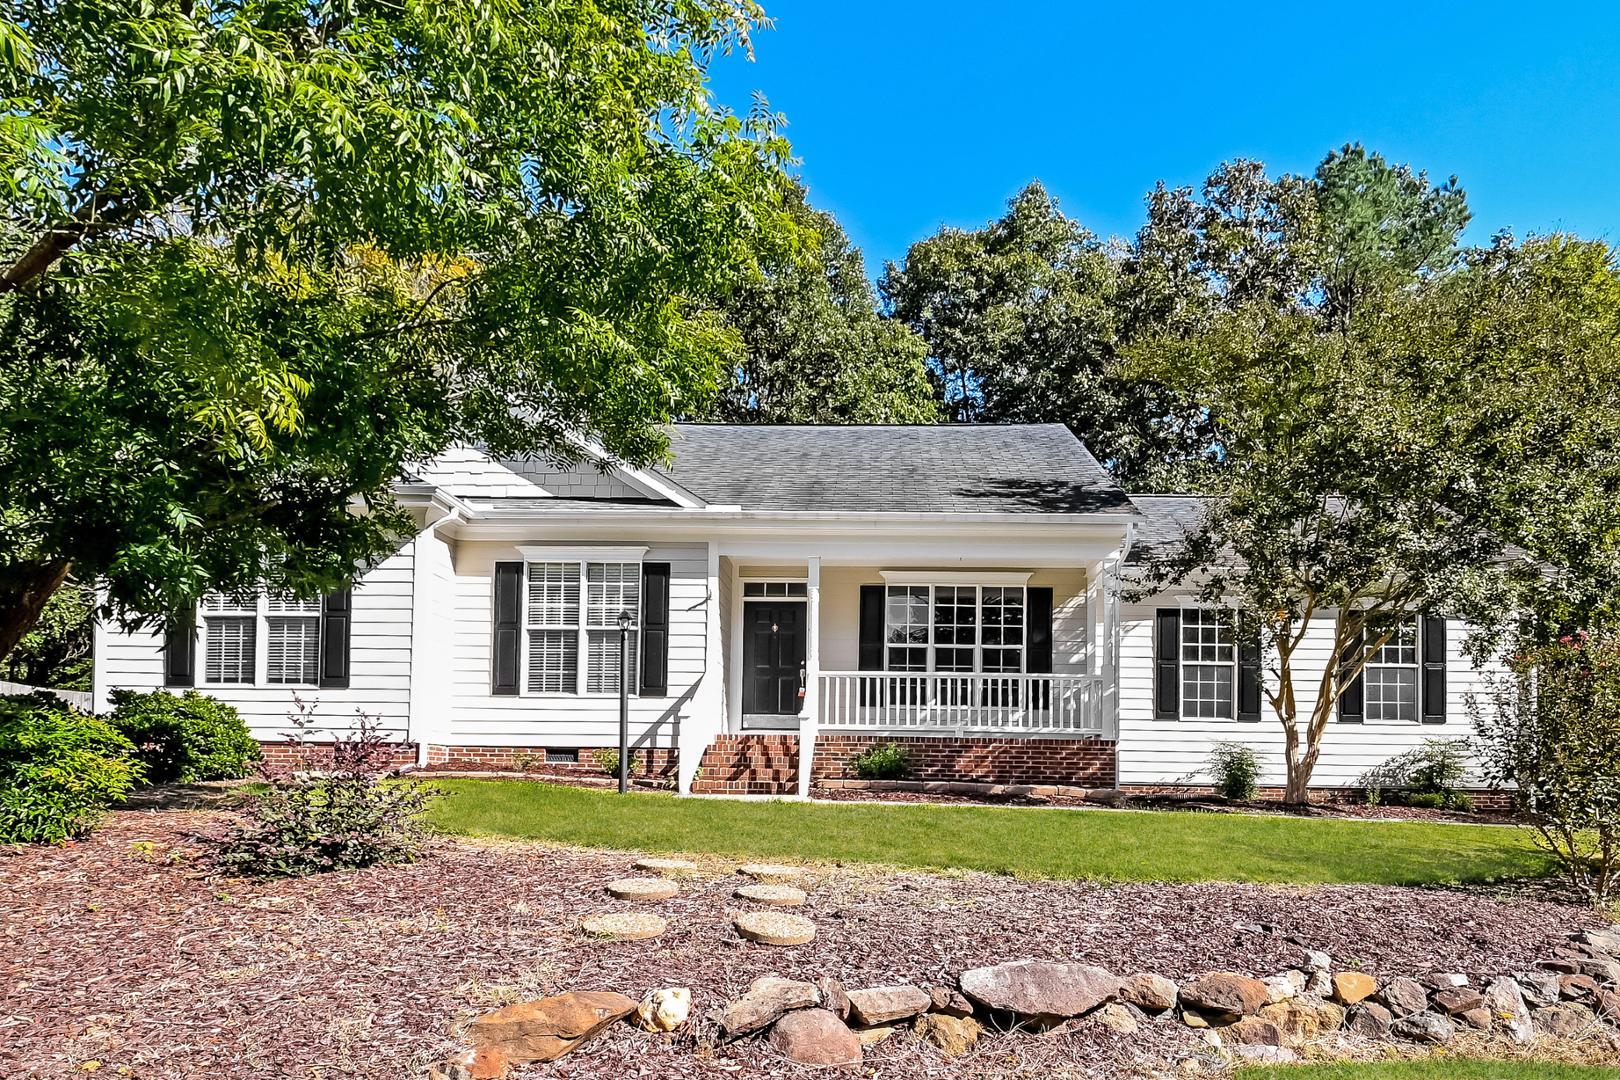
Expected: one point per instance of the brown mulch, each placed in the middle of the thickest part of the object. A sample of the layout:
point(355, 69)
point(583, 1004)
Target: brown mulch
point(124, 951)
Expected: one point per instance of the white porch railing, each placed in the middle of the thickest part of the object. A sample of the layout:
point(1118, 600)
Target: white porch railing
point(959, 703)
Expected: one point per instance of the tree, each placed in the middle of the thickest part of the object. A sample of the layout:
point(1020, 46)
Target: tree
point(814, 347)
point(56, 652)
point(1024, 320)
point(1379, 403)
point(261, 257)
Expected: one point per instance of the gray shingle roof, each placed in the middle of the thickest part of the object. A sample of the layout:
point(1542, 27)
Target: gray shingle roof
point(1020, 469)
point(1165, 520)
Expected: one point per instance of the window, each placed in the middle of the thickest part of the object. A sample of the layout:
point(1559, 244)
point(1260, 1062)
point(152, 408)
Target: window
point(233, 628)
point(572, 621)
point(970, 628)
point(1208, 664)
point(1391, 676)
point(759, 590)
point(292, 641)
point(230, 638)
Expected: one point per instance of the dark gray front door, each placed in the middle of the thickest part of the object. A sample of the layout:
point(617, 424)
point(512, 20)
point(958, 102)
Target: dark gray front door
point(773, 657)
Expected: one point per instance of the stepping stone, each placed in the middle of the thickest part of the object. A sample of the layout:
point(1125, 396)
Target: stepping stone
point(775, 928)
point(772, 895)
point(771, 874)
point(666, 866)
point(623, 926)
point(643, 888)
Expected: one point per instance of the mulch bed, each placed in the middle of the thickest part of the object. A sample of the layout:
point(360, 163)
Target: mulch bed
point(124, 950)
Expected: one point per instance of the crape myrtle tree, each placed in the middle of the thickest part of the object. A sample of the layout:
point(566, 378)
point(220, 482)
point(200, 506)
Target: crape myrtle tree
point(260, 256)
point(1388, 410)
point(814, 347)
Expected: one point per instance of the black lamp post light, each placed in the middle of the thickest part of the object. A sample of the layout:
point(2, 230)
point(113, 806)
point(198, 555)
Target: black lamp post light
point(627, 620)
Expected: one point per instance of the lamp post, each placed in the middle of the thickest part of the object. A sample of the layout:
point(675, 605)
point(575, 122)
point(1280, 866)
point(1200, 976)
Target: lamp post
point(627, 619)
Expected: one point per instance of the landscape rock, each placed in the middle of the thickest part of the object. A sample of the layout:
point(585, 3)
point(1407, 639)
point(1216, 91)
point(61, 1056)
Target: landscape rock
point(871, 1036)
point(833, 997)
point(1444, 980)
point(1194, 1019)
point(1148, 992)
point(1350, 987)
point(950, 1035)
point(816, 1037)
point(1582, 989)
point(772, 895)
point(1319, 984)
point(948, 1001)
point(448, 1070)
point(1604, 971)
point(766, 999)
point(1540, 988)
point(666, 866)
point(1458, 1000)
point(886, 1004)
point(1559, 967)
point(1607, 940)
point(1505, 999)
point(488, 1063)
point(637, 888)
point(772, 873)
point(1565, 1021)
point(1254, 1031)
point(1607, 1005)
point(1284, 985)
point(1370, 1020)
point(1039, 990)
point(1425, 1027)
point(1479, 1019)
point(664, 1010)
point(623, 926)
point(775, 928)
point(1305, 1017)
point(1117, 1017)
point(1403, 996)
point(1315, 960)
point(1267, 1055)
point(546, 1029)
point(1225, 994)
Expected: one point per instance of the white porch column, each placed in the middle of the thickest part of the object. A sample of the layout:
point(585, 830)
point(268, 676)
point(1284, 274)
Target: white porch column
point(810, 718)
point(707, 715)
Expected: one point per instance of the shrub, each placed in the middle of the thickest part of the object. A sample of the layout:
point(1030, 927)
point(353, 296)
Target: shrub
point(607, 759)
point(59, 769)
point(1552, 731)
point(184, 738)
point(1235, 768)
point(888, 761)
point(1427, 776)
point(335, 808)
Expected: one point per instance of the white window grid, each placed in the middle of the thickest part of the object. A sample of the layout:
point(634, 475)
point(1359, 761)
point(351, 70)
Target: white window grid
point(954, 628)
point(1208, 665)
point(1390, 678)
point(775, 590)
point(242, 636)
point(571, 617)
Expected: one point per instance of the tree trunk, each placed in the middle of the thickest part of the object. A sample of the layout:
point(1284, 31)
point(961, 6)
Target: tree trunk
point(24, 589)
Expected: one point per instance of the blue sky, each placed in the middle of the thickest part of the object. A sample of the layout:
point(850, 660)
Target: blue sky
point(909, 115)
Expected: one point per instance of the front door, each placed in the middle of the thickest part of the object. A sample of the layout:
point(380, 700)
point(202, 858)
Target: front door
point(773, 658)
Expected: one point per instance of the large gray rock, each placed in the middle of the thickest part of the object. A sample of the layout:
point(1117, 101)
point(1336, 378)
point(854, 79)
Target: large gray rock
point(886, 1004)
point(1606, 939)
point(816, 1037)
point(1424, 1027)
point(1566, 1021)
point(1403, 996)
point(1505, 1000)
point(1040, 990)
point(767, 998)
point(1604, 971)
point(1370, 1020)
point(1315, 960)
point(1540, 988)
point(1225, 994)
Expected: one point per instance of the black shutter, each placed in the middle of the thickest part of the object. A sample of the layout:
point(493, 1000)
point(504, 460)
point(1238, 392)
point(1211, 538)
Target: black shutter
point(1352, 709)
point(1248, 683)
point(180, 651)
point(337, 615)
point(655, 628)
point(1433, 656)
point(507, 634)
point(871, 653)
point(1167, 664)
point(1039, 660)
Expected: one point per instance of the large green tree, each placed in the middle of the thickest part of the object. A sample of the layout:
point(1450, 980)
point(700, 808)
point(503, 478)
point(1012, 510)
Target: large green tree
point(259, 256)
point(814, 348)
point(1404, 428)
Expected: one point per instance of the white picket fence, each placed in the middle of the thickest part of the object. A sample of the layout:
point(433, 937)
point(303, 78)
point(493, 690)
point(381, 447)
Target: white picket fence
point(79, 699)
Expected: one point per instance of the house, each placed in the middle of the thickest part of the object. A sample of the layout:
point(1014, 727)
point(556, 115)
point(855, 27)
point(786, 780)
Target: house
point(789, 596)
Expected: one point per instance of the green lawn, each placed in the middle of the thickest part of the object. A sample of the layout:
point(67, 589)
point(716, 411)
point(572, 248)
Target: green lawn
point(1103, 845)
point(1430, 1069)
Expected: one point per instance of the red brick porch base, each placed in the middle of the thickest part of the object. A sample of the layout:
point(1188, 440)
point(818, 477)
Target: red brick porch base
point(646, 762)
point(317, 754)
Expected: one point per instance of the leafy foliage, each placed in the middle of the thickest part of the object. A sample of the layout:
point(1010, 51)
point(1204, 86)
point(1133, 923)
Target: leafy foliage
point(607, 759)
point(1429, 776)
point(184, 738)
point(1234, 768)
point(1552, 730)
point(333, 807)
point(56, 652)
point(59, 769)
point(882, 761)
point(815, 349)
point(260, 258)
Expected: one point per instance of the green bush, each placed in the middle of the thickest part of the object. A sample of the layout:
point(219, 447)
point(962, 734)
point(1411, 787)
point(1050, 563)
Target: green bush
point(1427, 777)
point(888, 761)
point(184, 738)
point(1234, 768)
point(607, 759)
point(59, 769)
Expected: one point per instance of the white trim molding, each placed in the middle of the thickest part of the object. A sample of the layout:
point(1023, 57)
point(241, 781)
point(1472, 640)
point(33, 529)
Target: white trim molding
point(956, 577)
point(581, 553)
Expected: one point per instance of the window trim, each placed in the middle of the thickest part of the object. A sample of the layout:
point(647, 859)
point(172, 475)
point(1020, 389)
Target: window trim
point(262, 617)
point(1182, 663)
point(582, 559)
point(978, 585)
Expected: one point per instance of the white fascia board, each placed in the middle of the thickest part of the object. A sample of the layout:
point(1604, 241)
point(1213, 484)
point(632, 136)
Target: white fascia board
point(954, 577)
point(541, 552)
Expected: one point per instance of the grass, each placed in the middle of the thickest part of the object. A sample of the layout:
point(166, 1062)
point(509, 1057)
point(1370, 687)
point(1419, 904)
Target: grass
point(1430, 1069)
point(1032, 843)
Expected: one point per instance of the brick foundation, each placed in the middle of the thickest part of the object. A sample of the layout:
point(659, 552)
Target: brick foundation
point(1077, 762)
point(316, 755)
point(646, 763)
point(749, 765)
